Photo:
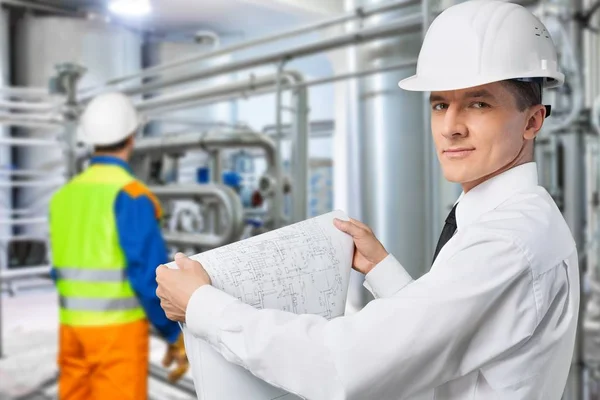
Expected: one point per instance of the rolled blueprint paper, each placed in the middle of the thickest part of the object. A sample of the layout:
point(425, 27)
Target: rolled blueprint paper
point(302, 268)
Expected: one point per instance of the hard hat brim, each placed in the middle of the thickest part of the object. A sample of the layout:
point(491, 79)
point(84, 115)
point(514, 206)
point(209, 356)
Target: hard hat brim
point(427, 84)
point(95, 141)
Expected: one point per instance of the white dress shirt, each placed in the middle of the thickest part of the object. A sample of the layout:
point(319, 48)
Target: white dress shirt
point(495, 318)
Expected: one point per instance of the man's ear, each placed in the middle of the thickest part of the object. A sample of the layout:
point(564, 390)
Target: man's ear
point(537, 114)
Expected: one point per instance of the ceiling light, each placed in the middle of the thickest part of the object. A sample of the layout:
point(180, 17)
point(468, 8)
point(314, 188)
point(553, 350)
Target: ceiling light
point(130, 7)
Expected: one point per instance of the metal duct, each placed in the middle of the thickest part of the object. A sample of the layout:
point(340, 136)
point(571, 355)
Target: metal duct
point(206, 141)
point(384, 145)
point(43, 42)
point(229, 202)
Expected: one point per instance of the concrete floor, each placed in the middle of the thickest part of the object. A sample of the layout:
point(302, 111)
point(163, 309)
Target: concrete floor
point(29, 332)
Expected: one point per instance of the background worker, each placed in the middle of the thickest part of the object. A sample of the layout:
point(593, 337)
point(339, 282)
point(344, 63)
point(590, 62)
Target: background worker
point(106, 243)
point(496, 316)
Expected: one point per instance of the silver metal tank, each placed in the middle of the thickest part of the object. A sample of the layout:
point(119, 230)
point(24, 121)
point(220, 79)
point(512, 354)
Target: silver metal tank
point(107, 51)
point(384, 142)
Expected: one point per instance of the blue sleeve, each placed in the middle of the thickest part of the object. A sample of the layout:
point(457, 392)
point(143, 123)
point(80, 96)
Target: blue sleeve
point(145, 250)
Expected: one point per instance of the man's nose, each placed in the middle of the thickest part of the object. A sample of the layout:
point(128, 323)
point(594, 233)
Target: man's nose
point(454, 125)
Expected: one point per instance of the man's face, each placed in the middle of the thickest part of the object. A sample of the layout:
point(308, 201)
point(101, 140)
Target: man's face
point(479, 132)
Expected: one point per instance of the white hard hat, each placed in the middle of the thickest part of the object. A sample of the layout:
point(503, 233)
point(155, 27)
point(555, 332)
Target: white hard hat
point(108, 119)
point(484, 41)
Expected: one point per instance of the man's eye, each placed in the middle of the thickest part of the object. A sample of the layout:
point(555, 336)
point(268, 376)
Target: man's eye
point(480, 104)
point(439, 106)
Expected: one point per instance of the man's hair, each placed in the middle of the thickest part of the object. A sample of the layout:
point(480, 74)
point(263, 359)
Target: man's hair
point(527, 94)
point(113, 148)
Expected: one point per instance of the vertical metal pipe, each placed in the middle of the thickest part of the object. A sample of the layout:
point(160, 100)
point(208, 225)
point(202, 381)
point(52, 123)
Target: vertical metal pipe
point(277, 207)
point(574, 213)
point(217, 177)
point(432, 225)
point(300, 154)
point(352, 161)
point(574, 202)
point(5, 158)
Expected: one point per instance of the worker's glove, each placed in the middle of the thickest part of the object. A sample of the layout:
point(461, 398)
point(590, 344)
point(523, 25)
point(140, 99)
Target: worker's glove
point(176, 353)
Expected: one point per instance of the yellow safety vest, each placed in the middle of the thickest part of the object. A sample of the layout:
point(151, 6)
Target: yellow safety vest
point(89, 262)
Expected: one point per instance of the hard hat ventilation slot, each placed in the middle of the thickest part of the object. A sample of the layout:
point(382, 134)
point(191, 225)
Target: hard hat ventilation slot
point(542, 32)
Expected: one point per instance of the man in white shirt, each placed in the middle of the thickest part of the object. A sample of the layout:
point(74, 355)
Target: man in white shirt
point(496, 316)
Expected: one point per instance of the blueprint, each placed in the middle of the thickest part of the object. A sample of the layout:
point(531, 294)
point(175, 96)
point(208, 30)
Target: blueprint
point(303, 268)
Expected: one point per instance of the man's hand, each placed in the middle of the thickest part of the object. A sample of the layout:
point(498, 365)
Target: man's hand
point(368, 250)
point(176, 286)
point(176, 353)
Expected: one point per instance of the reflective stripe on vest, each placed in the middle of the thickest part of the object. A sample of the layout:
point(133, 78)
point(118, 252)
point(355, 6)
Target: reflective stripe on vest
point(89, 304)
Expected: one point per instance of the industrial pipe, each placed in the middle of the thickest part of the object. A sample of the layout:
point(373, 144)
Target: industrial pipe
point(7, 275)
point(230, 202)
point(577, 84)
point(31, 120)
point(28, 142)
point(21, 238)
point(186, 142)
point(26, 106)
point(400, 26)
point(208, 240)
point(198, 123)
point(359, 12)
point(15, 211)
point(24, 91)
point(164, 103)
point(300, 143)
point(29, 173)
point(596, 115)
point(291, 86)
point(317, 129)
point(24, 221)
point(36, 183)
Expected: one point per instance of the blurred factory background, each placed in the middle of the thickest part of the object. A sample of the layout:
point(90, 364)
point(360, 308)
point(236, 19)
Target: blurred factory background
point(260, 113)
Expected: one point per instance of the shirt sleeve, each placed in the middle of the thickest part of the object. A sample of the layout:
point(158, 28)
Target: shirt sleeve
point(434, 330)
point(144, 248)
point(387, 278)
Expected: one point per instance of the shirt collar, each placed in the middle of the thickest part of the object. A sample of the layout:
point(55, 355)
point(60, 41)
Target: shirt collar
point(493, 192)
point(110, 160)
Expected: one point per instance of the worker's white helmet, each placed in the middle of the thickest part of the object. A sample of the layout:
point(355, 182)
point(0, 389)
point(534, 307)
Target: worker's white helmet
point(484, 41)
point(108, 119)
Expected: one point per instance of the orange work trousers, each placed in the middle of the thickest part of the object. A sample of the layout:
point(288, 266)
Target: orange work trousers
point(104, 363)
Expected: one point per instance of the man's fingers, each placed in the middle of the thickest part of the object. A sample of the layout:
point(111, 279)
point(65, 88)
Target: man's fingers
point(180, 259)
point(160, 271)
point(187, 263)
point(348, 227)
point(361, 225)
point(162, 296)
point(184, 262)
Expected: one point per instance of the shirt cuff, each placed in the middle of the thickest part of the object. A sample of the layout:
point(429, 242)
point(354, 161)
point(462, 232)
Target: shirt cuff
point(387, 278)
point(204, 311)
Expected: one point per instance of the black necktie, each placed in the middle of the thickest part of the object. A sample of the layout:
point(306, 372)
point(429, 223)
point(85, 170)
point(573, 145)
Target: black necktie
point(447, 232)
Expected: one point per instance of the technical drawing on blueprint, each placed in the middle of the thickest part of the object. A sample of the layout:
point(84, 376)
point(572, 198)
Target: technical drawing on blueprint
point(302, 268)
